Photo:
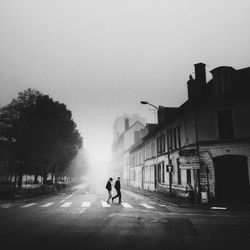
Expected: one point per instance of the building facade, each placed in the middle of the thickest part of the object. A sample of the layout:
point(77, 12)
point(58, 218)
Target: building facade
point(126, 134)
point(205, 142)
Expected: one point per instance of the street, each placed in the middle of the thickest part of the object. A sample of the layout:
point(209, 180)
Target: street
point(81, 219)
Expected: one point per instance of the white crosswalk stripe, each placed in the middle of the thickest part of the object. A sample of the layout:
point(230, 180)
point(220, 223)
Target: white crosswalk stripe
point(126, 205)
point(66, 204)
point(48, 204)
point(146, 205)
point(28, 205)
point(162, 205)
point(86, 204)
point(105, 204)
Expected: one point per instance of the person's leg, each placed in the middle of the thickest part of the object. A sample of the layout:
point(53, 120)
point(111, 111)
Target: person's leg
point(117, 195)
point(109, 196)
point(120, 196)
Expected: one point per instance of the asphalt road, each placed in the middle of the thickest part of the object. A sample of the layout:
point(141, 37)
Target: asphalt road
point(80, 219)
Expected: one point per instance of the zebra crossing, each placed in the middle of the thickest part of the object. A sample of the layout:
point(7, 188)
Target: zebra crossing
point(84, 204)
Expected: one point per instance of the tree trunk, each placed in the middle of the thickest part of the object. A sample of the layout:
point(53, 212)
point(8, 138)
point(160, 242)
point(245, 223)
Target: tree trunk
point(36, 178)
point(45, 176)
point(14, 186)
point(10, 179)
point(20, 179)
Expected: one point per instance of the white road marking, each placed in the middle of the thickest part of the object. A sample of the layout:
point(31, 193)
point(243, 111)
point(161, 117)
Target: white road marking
point(146, 205)
point(66, 204)
point(71, 195)
point(126, 205)
point(162, 205)
point(86, 204)
point(28, 205)
point(105, 204)
point(219, 208)
point(82, 210)
point(48, 204)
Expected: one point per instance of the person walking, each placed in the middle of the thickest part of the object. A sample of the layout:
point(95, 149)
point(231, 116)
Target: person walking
point(190, 192)
point(118, 190)
point(109, 188)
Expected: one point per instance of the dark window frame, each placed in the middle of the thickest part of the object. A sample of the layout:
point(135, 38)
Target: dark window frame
point(179, 180)
point(163, 172)
point(170, 138)
point(225, 125)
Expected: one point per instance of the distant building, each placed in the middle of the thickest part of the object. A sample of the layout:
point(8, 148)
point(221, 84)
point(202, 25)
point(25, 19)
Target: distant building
point(126, 133)
point(205, 142)
point(122, 124)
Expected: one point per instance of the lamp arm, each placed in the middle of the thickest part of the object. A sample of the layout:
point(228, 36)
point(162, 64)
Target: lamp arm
point(152, 105)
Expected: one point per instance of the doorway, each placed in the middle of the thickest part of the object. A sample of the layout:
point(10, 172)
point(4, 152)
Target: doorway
point(231, 178)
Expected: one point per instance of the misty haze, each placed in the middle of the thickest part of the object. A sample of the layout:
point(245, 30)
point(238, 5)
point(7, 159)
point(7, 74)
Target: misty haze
point(124, 124)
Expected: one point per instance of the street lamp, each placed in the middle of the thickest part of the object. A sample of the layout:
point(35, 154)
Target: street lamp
point(147, 103)
point(144, 102)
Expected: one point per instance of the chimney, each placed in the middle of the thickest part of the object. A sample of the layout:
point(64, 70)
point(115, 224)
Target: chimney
point(197, 86)
point(126, 124)
point(200, 73)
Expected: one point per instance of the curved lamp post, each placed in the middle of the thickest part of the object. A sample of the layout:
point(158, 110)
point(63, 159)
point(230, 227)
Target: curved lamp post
point(148, 103)
point(144, 102)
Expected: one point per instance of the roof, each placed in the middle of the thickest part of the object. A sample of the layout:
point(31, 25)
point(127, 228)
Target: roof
point(130, 128)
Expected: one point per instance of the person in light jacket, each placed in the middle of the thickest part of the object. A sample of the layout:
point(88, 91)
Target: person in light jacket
point(109, 188)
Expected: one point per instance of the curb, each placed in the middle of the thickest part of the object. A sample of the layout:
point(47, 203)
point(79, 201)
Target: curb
point(152, 197)
point(190, 206)
point(167, 202)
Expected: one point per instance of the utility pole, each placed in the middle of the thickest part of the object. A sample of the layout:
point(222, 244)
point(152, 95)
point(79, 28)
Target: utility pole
point(196, 177)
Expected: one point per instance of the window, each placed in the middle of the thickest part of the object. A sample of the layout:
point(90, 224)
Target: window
point(152, 173)
point(161, 144)
point(177, 137)
point(186, 131)
point(150, 150)
point(225, 124)
point(163, 172)
point(178, 171)
point(170, 140)
point(159, 173)
point(188, 176)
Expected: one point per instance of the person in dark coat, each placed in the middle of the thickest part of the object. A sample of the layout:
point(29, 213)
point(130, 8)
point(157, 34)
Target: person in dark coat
point(118, 190)
point(109, 188)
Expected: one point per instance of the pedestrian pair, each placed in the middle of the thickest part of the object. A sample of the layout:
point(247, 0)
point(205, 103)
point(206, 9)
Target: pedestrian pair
point(117, 187)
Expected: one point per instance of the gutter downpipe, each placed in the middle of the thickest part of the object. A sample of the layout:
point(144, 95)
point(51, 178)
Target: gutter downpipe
point(169, 164)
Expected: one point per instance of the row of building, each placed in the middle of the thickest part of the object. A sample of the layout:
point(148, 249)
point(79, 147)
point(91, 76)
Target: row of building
point(204, 144)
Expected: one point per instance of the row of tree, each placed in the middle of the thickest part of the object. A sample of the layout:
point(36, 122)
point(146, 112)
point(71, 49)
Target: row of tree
point(37, 136)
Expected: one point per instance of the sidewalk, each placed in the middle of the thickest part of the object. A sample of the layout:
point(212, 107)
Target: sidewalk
point(20, 197)
point(181, 202)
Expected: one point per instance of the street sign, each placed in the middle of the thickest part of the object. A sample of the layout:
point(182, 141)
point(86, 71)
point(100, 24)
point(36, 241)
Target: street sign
point(190, 166)
point(188, 152)
point(169, 168)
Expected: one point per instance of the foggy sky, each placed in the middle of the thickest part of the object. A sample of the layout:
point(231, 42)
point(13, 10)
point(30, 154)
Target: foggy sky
point(101, 58)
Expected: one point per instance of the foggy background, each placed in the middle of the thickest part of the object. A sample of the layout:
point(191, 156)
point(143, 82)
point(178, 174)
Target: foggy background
point(101, 58)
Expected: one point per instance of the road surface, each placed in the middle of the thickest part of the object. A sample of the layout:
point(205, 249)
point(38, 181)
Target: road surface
point(81, 219)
